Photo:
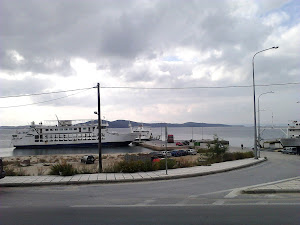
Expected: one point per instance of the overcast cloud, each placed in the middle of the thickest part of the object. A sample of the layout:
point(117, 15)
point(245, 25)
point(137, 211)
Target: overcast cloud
point(61, 45)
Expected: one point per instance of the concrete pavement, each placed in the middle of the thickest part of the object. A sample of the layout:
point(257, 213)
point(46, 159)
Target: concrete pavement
point(291, 185)
point(21, 181)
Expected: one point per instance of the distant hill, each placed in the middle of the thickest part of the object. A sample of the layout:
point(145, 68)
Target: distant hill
point(125, 123)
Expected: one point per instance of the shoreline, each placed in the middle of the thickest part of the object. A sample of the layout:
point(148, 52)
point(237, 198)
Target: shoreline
point(37, 165)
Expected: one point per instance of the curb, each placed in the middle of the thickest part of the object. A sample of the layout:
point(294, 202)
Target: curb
point(130, 180)
point(271, 191)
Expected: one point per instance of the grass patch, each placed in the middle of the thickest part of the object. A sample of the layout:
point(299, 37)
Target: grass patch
point(63, 169)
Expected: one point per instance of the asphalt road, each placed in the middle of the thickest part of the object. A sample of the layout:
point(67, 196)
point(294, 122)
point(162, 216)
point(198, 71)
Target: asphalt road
point(213, 199)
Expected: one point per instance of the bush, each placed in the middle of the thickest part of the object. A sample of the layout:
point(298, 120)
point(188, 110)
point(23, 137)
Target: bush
point(142, 166)
point(203, 150)
point(171, 164)
point(217, 147)
point(129, 166)
point(63, 169)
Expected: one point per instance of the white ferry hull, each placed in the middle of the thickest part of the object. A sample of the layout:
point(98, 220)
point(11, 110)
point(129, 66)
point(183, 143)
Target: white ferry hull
point(69, 136)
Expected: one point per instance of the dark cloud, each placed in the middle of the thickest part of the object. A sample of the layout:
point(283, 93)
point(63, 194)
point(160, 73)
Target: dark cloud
point(139, 42)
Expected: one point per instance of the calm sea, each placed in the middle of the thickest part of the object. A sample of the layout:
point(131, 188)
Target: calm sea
point(235, 135)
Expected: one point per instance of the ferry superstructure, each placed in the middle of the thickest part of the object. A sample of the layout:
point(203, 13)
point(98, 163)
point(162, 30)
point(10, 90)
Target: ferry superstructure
point(143, 134)
point(68, 133)
point(293, 135)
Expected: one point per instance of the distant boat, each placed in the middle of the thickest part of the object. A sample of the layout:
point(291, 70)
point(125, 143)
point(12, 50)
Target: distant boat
point(293, 135)
point(69, 133)
point(143, 134)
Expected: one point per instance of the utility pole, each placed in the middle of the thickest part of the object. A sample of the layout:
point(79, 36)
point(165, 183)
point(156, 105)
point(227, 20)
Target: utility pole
point(166, 157)
point(99, 131)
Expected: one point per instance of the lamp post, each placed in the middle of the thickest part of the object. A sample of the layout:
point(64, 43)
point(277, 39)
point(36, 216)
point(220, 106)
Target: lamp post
point(259, 137)
point(254, 105)
point(269, 92)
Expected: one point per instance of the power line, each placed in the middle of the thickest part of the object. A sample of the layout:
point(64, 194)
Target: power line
point(153, 88)
point(45, 93)
point(200, 87)
point(35, 103)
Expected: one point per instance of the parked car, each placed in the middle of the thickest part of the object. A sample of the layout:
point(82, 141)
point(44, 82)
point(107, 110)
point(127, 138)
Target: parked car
point(88, 159)
point(289, 150)
point(191, 152)
point(186, 142)
point(179, 144)
point(2, 172)
point(155, 159)
point(182, 152)
point(175, 153)
point(166, 152)
point(156, 154)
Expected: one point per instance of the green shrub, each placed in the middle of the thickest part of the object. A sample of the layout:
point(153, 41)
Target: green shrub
point(217, 147)
point(141, 166)
point(171, 164)
point(203, 150)
point(129, 166)
point(63, 169)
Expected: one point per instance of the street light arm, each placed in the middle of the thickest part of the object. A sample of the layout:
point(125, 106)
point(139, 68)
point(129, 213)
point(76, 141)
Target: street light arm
point(275, 47)
point(269, 92)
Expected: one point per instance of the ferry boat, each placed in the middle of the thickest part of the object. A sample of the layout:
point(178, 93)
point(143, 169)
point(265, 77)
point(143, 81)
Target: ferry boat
point(69, 133)
point(293, 135)
point(143, 134)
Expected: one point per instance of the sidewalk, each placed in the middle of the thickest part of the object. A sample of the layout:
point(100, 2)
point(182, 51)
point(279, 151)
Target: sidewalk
point(22, 181)
point(291, 185)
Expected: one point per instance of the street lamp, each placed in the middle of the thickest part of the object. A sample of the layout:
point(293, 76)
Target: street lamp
point(254, 105)
point(259, 138)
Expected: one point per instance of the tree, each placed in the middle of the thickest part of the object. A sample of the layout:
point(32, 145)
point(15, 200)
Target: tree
point(216, 147)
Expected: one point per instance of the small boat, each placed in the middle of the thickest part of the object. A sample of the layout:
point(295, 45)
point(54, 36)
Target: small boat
point(69, 133)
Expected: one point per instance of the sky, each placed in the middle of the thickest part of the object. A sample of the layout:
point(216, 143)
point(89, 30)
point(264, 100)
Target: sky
point(52, 46)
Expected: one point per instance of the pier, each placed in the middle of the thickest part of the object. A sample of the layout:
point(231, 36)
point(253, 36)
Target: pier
point(158, 145)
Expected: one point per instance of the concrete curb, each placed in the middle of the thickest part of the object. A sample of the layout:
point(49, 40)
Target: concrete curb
point(167, 177)
point(271, 191)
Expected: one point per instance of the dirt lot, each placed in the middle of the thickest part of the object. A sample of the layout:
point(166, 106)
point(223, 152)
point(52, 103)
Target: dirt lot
point(41, 164)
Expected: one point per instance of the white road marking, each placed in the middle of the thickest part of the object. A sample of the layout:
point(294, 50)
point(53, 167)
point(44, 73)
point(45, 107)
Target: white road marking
point(233, 193)
point(145, 203)
point(219, 202)
point(183, 205)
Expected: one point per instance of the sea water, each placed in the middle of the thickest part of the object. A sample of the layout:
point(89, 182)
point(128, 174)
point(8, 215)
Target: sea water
point(235, 135)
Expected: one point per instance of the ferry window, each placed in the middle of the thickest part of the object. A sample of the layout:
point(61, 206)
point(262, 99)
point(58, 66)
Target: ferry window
point(70, 128)
point(75, 128)
point(56, 129)
point(66, 128)
point(47, 129)
point(51, 129)
point(36, 136)
point(61, 129)
point(84, 128)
